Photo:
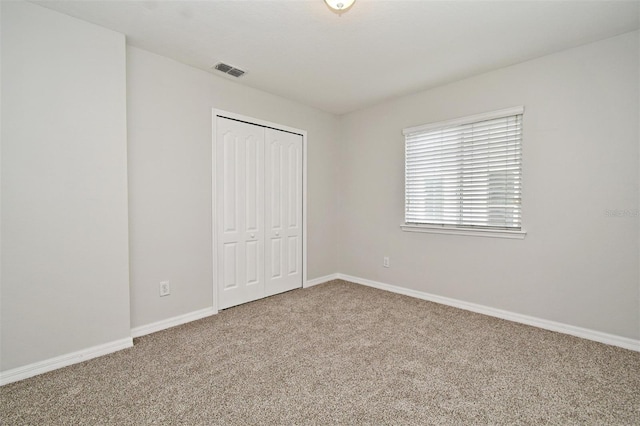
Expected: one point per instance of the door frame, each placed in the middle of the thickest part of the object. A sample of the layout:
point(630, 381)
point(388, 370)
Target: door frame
point(215, 113)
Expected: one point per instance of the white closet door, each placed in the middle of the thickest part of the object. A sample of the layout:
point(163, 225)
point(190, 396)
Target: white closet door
point(240, 212)
point(283, 211)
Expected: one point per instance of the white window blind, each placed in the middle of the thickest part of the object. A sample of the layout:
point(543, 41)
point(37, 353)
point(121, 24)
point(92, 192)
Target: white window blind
point(466, 172)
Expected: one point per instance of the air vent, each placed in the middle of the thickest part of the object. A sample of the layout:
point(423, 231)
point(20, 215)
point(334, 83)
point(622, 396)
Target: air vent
point(223, 67)
point(228, 69)
point(235, 72)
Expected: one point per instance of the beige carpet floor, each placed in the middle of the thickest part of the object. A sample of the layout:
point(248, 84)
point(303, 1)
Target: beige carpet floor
point(340, 353)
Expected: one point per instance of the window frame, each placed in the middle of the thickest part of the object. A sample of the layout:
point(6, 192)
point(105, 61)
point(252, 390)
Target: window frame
point(459, 229)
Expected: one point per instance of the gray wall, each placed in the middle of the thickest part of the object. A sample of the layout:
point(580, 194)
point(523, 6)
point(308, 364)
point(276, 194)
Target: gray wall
point(169, 114)
point(65, 263)
point(577, 265)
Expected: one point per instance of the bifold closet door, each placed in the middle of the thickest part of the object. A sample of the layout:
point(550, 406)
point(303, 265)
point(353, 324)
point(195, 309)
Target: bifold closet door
point(258, 211)
point(239, 212)
point(283, 211)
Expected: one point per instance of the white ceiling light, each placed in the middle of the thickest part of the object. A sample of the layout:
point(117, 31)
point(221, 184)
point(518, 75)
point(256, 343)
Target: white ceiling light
point(340, 6)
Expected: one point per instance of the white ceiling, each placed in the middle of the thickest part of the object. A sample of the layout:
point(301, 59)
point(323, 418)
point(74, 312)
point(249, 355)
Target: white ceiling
point(379, 49)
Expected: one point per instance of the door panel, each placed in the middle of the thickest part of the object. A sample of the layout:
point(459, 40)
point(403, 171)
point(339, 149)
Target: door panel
point(240, 212)
point(276, 253)
point(229, 266)
point(293, 255)
point(230, 155)
point(283, 214)
point(253, 182)
point(294, 174)
point(275, 183)
point(252, 263)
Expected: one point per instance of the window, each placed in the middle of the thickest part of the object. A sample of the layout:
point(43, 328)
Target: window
point(465, 175)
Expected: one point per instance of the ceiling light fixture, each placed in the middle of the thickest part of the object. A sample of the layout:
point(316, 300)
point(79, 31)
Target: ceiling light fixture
point(340, 6)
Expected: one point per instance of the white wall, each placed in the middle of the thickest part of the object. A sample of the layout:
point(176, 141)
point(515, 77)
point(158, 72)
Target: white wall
point(65, 267)
point(580, 158)
point(169, 116)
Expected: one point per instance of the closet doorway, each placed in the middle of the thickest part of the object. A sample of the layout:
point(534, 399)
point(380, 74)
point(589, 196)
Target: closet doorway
point(259, 221)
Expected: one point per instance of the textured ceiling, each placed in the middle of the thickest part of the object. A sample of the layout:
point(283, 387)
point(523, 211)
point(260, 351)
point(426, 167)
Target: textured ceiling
point(379, 49)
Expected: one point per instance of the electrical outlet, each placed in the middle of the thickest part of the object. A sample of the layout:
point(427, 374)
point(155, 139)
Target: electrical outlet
point(165, 289)
point(385, 262)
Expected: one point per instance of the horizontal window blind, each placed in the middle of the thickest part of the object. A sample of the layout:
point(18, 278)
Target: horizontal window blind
point(465, 175)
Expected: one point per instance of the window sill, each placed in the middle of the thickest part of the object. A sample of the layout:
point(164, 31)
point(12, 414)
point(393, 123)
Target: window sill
point(491, 233)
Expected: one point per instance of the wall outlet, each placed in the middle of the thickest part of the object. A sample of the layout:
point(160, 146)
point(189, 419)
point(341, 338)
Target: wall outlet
point(165, 289)
point(385, 262)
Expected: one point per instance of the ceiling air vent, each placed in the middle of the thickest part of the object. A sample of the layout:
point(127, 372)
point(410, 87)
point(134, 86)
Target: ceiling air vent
point(228, 69)
point(235, 72)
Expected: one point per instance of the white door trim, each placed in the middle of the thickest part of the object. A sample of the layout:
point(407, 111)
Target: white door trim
point(251, 120)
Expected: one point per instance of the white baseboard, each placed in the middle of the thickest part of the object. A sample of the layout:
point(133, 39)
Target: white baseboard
point(585, 333)
point(321, 280)
point(51, 364)
point(143, 330)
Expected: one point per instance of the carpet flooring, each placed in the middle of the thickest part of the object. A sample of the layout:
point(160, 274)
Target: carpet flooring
point(340, 353)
